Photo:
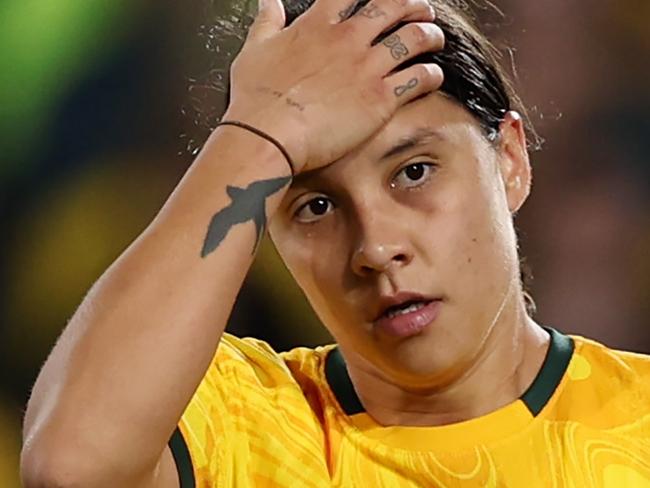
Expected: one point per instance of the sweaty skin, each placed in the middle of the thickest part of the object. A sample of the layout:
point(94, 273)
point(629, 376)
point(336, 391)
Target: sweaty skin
point(424, 206)
point(120, 376)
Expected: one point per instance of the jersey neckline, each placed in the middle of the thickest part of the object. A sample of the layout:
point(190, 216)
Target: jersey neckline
point(500, 423)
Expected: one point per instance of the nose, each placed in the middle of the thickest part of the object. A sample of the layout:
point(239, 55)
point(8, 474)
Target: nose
point(381, 245)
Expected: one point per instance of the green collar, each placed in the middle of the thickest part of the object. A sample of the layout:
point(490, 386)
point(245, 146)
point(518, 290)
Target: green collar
point(535, 397)
point(550, 374)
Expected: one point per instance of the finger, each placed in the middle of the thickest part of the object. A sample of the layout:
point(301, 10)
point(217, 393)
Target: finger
point(414, 81)
point(422, 15)
point(380, 15)
point(407, 42)
point(270, 19)
point(332, 11)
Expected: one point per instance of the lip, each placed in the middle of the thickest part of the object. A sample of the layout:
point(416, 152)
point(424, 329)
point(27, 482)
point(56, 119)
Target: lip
point(408, 324)
point(387, 301)
point(411, 323)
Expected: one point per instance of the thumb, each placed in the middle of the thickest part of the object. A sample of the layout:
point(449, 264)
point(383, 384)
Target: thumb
point(270, 19)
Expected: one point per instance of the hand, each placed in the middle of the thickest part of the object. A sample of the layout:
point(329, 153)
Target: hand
point(319, 86)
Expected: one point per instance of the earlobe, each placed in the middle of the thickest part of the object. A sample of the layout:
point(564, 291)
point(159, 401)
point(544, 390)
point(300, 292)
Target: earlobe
point(514, 164)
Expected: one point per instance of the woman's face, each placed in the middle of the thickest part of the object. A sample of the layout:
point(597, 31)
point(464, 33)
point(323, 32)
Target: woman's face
point(432, 219)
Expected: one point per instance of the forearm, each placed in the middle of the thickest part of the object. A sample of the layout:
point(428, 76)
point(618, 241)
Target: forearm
point(124, 369)
point(131, 357)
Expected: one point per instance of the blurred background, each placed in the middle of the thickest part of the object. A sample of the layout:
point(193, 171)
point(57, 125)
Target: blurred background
point(98, 121)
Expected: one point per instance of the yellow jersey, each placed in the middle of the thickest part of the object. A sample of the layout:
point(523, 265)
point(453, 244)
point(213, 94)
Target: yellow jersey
point(262, 418)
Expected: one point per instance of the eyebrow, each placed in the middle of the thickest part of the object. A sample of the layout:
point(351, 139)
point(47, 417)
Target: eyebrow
point(419, 137)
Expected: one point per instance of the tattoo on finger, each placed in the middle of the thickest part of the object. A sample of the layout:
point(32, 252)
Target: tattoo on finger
point(402, 89)
point(347, 12)
point(397, 48)
point(371, 11)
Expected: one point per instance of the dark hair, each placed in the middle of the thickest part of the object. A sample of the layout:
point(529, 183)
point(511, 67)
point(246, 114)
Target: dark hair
point(474, 76)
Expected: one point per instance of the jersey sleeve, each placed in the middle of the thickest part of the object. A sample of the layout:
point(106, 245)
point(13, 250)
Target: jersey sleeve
point(216, 421)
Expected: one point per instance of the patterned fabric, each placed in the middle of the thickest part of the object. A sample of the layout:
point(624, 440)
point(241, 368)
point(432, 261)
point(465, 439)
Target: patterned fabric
point(260, 418)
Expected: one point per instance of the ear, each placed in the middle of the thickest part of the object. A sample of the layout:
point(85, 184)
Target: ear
point(514, 163)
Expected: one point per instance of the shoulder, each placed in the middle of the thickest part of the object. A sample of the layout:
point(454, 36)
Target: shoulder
point(248, 384)
point(604, 387)
point(248, 368)
point(620, 368)
point(253, 406)
point(239, 355)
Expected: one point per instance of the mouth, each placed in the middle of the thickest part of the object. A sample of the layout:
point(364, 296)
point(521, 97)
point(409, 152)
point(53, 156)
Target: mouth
point(405, 308)
point(406, 314)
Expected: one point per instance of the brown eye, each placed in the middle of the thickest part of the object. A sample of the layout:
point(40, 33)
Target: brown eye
point(314, 209)
point(318, 206)
point(414, 171)
point(412, 175)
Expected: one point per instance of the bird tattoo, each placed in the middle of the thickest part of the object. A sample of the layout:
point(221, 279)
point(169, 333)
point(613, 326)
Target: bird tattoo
point(247, 204)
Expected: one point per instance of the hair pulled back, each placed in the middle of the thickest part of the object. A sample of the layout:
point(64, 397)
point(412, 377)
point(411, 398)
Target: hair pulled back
point(474, 76)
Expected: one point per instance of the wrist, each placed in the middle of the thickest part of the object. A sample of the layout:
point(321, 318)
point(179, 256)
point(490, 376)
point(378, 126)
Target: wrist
point(286, 132)
point(263, 135)
point(249, 150)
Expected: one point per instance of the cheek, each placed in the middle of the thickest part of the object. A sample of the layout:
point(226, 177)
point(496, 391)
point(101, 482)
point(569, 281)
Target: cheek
point(312, 257)
point(318, 269)
point(477, 236)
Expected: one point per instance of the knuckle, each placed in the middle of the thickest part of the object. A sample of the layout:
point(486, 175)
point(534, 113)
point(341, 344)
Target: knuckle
point(373, 92)
point(429, 5)
point(428, 75)
point(427, 14)
point(438, 35)
point(401, 3)
point(421, 34)
point(347, 29)
point(425, 7)
point(434, 75)
point(427, 35)
point(423, 72)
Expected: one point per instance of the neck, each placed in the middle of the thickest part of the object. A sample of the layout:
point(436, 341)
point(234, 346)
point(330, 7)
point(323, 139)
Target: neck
point(513, 352)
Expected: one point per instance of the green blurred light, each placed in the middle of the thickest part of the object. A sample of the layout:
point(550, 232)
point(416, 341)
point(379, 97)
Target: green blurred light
point(45, 45)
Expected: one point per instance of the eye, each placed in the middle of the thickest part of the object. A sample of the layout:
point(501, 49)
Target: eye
point(413, 175)
point(314, 209)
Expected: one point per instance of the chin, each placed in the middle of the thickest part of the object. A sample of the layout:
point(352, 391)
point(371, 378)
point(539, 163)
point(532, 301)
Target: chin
point(421, 361)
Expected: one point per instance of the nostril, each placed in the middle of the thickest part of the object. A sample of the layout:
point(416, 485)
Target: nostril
point(400, 258)
point(370, 260)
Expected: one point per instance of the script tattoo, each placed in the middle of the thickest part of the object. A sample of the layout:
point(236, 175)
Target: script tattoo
point(369, 11)
point(400, 90)
point(397, 48)
point(278, 94)
point(347, 12)
point(292, 103)
point(248, 204)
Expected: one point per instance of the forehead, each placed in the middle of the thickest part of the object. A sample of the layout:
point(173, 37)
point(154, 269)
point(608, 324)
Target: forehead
point(436, 112)
point(435, 119)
